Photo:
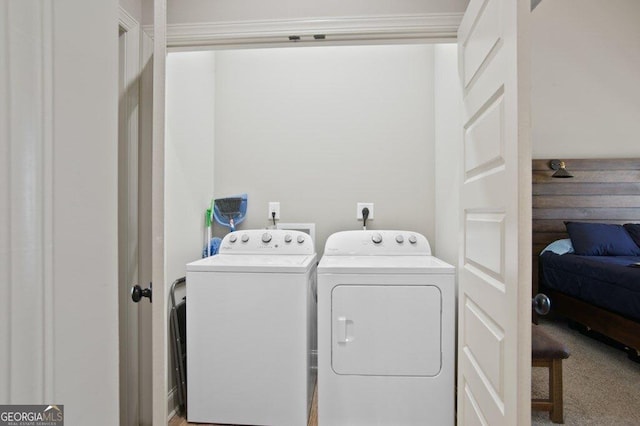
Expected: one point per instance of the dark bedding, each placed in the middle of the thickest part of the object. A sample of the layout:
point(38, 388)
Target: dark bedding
point(604, 281)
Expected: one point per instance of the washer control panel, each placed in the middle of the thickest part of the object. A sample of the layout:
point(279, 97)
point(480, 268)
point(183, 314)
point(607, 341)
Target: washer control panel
point(377, 243)
point(267, 241)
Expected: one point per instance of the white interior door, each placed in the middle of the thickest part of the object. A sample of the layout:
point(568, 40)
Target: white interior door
point(128, 217)
point(494, 354)
point(127, 264)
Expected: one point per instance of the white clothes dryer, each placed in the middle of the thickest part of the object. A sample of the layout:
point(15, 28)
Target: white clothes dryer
point(251, 330)
point(386, 329)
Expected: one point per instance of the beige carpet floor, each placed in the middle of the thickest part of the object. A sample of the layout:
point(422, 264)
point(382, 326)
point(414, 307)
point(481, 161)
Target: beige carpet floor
point(601, 385)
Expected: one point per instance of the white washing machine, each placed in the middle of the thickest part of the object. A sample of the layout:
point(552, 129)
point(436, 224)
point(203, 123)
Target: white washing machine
point(385, 331)
point(251, 330)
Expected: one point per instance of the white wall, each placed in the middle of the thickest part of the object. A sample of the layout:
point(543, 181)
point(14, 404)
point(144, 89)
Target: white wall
point(184, 11)
point(448, 152)
point(189, 156)
point(319, 129)
point(585, 84)
point(84, 199)
point(133, 7)
point(58, 215)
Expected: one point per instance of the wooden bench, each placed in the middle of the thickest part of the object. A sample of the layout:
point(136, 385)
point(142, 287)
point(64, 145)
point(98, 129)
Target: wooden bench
point(548, 352)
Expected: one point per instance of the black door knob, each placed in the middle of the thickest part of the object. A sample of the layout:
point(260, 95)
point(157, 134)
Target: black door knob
point(541, 304)
point(137, 293)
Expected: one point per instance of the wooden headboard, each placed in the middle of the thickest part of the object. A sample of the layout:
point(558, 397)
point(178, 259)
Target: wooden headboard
point(602, 190)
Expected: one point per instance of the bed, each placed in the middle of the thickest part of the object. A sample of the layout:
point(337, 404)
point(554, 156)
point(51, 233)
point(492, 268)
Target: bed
point(597, 289)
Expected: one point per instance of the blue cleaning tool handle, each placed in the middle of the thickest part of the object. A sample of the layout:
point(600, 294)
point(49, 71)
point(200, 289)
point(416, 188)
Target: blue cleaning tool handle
point(214, 245)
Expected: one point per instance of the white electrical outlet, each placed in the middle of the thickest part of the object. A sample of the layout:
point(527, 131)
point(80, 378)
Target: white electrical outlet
point(274, 206)
point(361, 206)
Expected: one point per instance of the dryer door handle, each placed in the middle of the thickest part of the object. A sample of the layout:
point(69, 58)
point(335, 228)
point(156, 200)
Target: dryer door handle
point(342, 328)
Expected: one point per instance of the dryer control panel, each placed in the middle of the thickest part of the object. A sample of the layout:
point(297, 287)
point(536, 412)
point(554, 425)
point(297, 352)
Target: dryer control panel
point(377, 243)
point(267, 241)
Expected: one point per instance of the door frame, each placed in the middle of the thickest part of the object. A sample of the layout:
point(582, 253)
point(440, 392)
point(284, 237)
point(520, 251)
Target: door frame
point(128, 218)
point(159, 309)
point(424, 28)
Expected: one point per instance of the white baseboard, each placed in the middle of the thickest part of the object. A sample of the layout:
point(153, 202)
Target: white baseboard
point(172, 403)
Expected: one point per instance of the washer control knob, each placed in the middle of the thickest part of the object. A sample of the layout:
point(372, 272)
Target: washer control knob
point(399, 239)
point(266, 237)
point(413, 239)
point(287, 238)
point(245, 238)
point(300, 239)
point(376, 238)
point(233, 238)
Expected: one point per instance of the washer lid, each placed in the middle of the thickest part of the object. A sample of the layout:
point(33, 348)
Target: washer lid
point(384, 265)
point(254, 263)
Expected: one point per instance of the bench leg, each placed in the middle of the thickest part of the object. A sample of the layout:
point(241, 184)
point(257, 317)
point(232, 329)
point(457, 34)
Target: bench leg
point(555, 391)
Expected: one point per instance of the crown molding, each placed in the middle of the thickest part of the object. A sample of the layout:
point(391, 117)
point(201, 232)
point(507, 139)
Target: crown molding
point(126, 20)
point(424, 27)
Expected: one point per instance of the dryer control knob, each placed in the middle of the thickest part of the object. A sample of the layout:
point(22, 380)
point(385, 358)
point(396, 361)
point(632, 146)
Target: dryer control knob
point(413, 239)
point(266, 237)
point(245, 238)
point(233, 238)
point(287, 238)
point(399, 239)
point(300, 239)
point(376, 238)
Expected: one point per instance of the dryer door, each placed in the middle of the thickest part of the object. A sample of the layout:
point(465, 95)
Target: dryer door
point(386, 330)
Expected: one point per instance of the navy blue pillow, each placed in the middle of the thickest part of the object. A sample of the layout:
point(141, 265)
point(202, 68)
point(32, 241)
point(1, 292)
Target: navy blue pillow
point(634, 231)
point(601, 239)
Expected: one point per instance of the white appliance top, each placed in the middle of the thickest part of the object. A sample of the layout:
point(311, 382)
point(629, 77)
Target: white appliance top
point(377, 243)
point(261, 250)
point(384, 265)
point(380, 252)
